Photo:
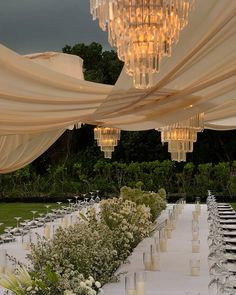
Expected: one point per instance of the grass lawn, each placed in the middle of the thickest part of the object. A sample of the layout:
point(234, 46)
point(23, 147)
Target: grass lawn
point(10, 210)
point(233, 205)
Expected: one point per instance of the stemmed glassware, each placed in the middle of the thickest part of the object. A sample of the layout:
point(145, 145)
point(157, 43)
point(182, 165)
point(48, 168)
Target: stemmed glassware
point(47, 208)
point(219, 273)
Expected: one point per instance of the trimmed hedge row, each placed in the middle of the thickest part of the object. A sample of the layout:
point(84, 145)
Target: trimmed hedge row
point(63, 181)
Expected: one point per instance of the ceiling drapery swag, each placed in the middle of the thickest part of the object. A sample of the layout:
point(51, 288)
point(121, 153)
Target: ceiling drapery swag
point(142, 31)
point(42, 94)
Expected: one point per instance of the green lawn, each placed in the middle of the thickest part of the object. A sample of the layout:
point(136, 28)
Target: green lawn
point(233, 205)
point(10, 210)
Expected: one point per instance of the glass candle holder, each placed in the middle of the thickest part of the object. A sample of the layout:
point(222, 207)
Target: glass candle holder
point(27, 241)
point(194, 267)
point(140, 279)
point(195, 225)
point(163, 244)
point(168, 232)
point(157, 244)
point(47, 231)
point(155, 258)
point(3, 260)
point(195, 246)
point(198, 208)
point(147, 261)
point(195, 234)
point(195, 216)
point(130, 285)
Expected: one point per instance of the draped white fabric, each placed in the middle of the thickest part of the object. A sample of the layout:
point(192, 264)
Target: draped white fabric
point(44, 93)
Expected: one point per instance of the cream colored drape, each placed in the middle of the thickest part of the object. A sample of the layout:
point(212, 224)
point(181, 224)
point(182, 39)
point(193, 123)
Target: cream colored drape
point(44, 93)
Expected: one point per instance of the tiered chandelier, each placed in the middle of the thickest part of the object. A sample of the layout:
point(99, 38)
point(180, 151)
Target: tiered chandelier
point(143, 31)
point(181, 136)
point(107, 139)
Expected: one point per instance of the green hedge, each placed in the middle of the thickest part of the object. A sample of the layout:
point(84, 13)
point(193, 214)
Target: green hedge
point(74, 178)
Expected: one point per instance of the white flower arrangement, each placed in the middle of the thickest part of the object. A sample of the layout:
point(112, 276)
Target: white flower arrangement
point(83, 257)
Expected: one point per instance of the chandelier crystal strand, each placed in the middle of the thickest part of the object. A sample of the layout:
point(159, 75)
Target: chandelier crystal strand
point(178, 156)
point(107, 139)
point(181, 136)
point(142, 31)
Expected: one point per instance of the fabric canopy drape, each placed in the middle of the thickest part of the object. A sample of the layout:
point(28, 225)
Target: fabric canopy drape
point(44, 93)
point(18, 150)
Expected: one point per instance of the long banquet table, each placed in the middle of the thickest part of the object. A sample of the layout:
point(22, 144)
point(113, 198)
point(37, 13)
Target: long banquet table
point(174, 276)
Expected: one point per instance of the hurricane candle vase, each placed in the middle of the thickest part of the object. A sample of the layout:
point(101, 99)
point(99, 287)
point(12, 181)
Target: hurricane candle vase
point(140, 279)
point(194, 267)
point(130, 285)
point(195, 246)
point(147, 260)
point(155, 258)
point(195, 215)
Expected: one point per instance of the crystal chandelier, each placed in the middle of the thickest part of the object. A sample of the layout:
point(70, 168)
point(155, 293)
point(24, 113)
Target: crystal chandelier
point(181, 136)
point(142, 31)
point(107, 138)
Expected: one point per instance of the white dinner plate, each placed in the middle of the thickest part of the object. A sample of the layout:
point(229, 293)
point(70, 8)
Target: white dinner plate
point(230, 247)
point(227, 217)
point(230, 256)
point(231, 266)
point(228, 221)
point(229, 233)
point(228, 226)
point(230, 240)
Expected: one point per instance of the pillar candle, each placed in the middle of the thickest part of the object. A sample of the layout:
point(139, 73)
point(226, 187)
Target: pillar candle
point(195, 271)
point(131, 292)
point(140, 288)
point(155, 262)
point(163, 245)
point(195, 248)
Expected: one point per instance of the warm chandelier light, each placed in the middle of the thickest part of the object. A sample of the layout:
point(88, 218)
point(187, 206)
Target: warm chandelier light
point(180, 136)
point(142, 31)
point(107, 138)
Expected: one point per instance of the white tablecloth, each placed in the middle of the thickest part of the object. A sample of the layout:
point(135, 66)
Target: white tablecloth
point(174, 277)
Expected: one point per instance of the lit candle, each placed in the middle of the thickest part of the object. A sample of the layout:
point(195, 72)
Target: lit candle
point(26, 246)
point(148, 265)
point(140, 288)
point(195, 246)
point(168, 233)
point(155, 262)
point(195, 216)
point(131, 292)
point(195, 271)
point(47, 232)
point(163, 245)
point(195, 236)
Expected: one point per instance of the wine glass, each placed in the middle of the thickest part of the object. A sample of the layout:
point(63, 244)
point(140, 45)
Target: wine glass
point(47, 207)
point(17, 221)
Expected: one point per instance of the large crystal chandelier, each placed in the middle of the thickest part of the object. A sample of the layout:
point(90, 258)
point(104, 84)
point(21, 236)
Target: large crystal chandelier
point(143, 31)
point(181, 136)
point(107, 138)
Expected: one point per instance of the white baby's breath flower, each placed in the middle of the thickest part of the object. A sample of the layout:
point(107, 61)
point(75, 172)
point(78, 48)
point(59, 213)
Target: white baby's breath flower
point(89, 283)
point(91, 279)
point(98, 284)
point(82, 284)
point(69, 292)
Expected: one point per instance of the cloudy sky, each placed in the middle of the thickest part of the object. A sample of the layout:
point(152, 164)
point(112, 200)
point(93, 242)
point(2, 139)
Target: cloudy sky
point(28, 26)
